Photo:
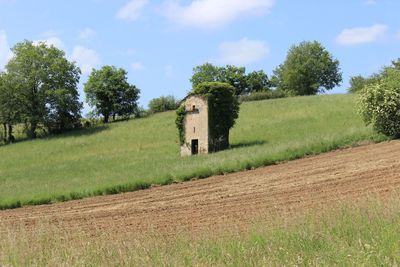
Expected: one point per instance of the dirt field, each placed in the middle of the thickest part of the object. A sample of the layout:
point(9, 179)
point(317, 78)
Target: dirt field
point(233, 199)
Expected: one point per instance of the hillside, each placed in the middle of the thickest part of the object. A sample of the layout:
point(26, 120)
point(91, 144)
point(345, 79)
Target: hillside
point(132, 155)
point(339, 208)
point(234, 199)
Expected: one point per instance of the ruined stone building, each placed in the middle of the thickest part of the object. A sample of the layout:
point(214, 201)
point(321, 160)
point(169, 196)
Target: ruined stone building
point(196, 128)
point(205, 117)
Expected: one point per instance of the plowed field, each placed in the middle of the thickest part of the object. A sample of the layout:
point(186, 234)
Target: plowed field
point(232, 199)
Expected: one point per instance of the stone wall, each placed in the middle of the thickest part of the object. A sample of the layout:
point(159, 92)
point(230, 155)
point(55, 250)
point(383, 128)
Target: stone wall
point(195, 125)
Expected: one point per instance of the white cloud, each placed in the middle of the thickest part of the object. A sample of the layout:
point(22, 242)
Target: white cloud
point(86, 34)
point(86, 58)
point(242, 52)
point(55, 41)
point(132, 10)
point(354, 36)
point(136, 66)
point(213, 13)
point(5, 52)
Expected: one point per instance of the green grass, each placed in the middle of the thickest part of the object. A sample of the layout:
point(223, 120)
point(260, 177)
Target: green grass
point(349, 235)
point(132, 155)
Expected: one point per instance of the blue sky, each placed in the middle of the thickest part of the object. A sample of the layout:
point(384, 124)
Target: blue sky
point(160, 41)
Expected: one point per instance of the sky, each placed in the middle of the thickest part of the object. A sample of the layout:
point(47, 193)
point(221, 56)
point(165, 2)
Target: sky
point(159, 42)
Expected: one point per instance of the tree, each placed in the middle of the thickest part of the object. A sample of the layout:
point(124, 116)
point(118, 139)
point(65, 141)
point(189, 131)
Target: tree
point(257, 81)
point(235, 76)
point(357, 83)
point(47, 84)
point(110, 93)
point(163, 103)
point(379, 103)
point(10, 106)
point(308, 69)
point(206, 73)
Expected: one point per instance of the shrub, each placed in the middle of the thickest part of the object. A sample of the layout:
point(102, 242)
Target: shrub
point(163, 103)
point(261, 96)
point(379, 104)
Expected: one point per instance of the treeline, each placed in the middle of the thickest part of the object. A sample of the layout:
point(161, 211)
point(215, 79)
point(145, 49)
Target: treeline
point(358, 83)
point(307, 70)
point(39, 90)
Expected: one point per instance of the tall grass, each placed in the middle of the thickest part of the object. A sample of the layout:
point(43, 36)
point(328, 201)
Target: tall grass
point(352, 235)
point(133, 155)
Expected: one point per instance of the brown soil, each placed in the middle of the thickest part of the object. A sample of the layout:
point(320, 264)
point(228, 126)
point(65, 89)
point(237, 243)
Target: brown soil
point(234, 199)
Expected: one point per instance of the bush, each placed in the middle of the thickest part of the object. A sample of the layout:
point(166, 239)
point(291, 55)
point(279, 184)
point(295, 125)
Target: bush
point(261, 96)
point(163, 103)
point(379, 104)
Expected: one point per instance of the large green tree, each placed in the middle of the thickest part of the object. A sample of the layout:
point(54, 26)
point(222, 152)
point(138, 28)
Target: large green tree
point(47, 87)
point(108, 91)
point(10, 106)
point(236, 76)
point(308, 69)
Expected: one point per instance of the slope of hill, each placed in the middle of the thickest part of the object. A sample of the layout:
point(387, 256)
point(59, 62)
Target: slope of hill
point(132, 155)
point(339, 208)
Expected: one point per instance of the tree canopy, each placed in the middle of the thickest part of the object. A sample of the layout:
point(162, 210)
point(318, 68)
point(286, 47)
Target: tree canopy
point(379, 103)
point(358, 83)
point(236, 76)
point(110, 93)
point(10, 109)
point(44, 83)
point(163, 103)
point(307, 70)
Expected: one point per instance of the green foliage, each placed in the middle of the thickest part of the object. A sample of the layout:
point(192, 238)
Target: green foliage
point(257, 81)
point(308, 69)
point(357, 83)
point(223, 110)
point(46, 85)
point(10, 109)
point(256, 96)
point(379, 104)
point(236, 76)
point(179, 121)
point(88, 161)
point(163, 103)
point(110, 93)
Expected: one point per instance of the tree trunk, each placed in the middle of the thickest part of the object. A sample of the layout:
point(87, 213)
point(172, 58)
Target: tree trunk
point(32, 130)
point(10, 137)
point(114, 117)
point(106, 117)
point(5, 131)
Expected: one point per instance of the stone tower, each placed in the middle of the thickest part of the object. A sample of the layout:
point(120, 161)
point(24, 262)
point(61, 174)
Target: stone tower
point(196, 126)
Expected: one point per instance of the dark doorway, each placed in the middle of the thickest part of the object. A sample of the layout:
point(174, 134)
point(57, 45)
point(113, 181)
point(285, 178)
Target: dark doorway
point(195, 146)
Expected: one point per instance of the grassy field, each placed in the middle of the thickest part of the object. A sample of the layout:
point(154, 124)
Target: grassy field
point(132, 155)
point(362, 234)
